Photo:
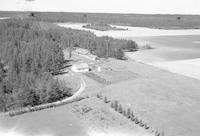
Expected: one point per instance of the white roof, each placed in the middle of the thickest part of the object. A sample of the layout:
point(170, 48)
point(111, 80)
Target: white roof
point(82, 65)
point(93, 56)
point(82, 51)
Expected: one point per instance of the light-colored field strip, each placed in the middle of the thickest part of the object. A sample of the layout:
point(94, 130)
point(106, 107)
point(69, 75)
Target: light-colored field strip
point(196, 42)
point(13, 133)
point(114, 133)
point(190, 68)
point(3, 18)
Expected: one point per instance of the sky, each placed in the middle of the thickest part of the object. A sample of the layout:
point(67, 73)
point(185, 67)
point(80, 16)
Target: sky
point(105, 6)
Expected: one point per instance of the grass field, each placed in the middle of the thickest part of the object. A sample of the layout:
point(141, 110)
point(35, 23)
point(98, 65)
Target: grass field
point(168, 101)
point(168, 48)
point(137, 20)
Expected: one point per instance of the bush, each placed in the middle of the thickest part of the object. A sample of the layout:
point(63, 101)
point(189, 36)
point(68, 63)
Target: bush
point(106, 99)
point(178, 18)
point(124, 112)
point(119, 54)
point(141, 123)
point(131, 45)
point(146, 47)
point(128, 113)
point(132, 117)
point(112, 105)
point(146, 126)
point(116, 105)
point(136, 120)
point(120, 110)
point(99, 96)
point(58, 92)
point(31, 98)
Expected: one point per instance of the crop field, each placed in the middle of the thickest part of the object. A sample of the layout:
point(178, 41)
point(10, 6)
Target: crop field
point(170, 47)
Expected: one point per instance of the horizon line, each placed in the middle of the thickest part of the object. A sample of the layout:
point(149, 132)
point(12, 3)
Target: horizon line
point(80, 12)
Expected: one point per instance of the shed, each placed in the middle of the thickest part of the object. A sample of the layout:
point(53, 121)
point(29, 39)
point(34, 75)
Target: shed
point(82, 51)
point(92, 57)
point(83, 67)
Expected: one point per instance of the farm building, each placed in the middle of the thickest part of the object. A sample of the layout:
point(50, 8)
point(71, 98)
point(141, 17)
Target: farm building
point(92, 57)
point(83, 67)
point(82, 51)
point(100, 69)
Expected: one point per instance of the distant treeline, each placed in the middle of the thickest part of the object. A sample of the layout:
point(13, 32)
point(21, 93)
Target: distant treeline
point(137, 20)
point(102, 27)
point(32, 52)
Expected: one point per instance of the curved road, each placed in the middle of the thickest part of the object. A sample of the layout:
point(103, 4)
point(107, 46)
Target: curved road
point(80, 90)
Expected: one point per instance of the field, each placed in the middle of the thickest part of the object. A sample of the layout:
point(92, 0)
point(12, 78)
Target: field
point(136, 20)
point(168, 48)
point(178, 54)
point(167, 101)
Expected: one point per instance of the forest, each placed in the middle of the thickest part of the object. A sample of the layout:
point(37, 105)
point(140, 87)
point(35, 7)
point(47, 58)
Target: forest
point(28, 58)
point(31, 54)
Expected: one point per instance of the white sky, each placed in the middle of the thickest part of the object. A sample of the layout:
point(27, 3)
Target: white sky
point(111, 6)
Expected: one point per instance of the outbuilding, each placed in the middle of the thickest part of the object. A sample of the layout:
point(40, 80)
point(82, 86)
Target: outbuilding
point(92, 57)
point(83, 67)
point(82, 51)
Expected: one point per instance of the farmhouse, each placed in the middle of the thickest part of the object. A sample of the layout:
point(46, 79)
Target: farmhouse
point(92, 57)
point(82, 51)
point(100, 69)
point(83, 67)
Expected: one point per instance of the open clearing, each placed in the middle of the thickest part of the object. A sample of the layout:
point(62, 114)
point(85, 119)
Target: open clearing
point(168, 101)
